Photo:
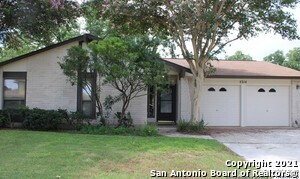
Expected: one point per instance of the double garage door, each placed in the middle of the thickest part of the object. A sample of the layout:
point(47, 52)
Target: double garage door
point(255, 106)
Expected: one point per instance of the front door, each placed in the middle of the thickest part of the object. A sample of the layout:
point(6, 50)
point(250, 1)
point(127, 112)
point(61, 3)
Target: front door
point(166, 105)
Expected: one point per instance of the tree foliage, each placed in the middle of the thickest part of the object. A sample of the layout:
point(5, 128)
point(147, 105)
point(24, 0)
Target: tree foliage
point(206, 26)
point(130, 65)
point(291, 59)
point(77, 66)
point(94, 25)
point(35, 19)
point(294, 55)
point(277, 57)
point(76, 63)
point(239, 55)
point(26, 46)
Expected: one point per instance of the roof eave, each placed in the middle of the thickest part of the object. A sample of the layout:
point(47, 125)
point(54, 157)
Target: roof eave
point(254, 77)
point(176, 66)
point(85, 38)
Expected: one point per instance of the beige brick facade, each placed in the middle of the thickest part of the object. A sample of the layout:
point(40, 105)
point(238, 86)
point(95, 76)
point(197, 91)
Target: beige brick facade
point(47, 87)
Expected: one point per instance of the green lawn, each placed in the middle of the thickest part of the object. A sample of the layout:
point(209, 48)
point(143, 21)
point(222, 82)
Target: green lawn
point(27, 154)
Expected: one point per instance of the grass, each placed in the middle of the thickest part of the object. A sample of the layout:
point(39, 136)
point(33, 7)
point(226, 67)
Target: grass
point(28, 154)
point(148, 130)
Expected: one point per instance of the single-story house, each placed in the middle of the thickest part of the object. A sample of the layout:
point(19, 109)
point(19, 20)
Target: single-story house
point(239, 93)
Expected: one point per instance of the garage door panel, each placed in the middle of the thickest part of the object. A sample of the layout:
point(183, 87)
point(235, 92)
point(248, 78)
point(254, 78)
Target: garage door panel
point(221, 106)
point(268, 108)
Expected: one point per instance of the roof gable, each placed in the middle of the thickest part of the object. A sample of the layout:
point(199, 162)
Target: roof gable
point(82, 38)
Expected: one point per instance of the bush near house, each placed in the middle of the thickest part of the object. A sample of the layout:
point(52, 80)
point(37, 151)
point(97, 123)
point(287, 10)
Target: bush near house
point(39, 119)
point(185, 126)
point(74, 120)
point(44, 120)
point(149, 130)
point(7, 116)
point(4, 120)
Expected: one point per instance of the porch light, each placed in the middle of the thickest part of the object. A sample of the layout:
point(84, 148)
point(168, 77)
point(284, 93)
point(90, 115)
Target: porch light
point(297, 86)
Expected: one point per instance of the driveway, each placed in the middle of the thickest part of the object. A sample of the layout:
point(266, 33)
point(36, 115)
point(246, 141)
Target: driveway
point(261, 144)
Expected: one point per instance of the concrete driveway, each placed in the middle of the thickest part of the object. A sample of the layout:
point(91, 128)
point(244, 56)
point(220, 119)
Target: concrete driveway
point(261, 144)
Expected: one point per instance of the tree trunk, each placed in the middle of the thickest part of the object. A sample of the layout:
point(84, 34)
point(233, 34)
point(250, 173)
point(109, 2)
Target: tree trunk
point(124, 108)
point(196, 93)
point(123, 112)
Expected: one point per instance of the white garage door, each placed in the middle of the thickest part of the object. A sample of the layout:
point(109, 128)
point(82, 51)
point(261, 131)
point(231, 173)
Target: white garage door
point(267, 106)
point(221, 105)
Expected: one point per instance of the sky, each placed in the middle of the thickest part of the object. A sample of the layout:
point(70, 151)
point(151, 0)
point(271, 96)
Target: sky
point(264, 44)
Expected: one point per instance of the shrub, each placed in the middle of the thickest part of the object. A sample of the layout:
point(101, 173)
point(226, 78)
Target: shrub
point(4, 119)
point(126, 121)
point(77, 119)
point(184, 126)
point(64, 113)
point(7, 116)
point(197, 126)
point(149, 130)
point(40, 119)
point(14, 115)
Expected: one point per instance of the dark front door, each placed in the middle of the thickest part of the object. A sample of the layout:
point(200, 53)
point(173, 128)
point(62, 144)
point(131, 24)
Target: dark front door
point(166, 105)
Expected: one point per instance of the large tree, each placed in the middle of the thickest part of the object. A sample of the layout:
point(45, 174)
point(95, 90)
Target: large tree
point(277, 57)
point(239, 55)
point(7, 52)
point(100, 28)
point(39, 20)
point(291, 59)
point(201, 28)
point(130, 65)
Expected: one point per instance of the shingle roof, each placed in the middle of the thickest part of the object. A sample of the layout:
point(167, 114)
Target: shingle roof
point(244, 69)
